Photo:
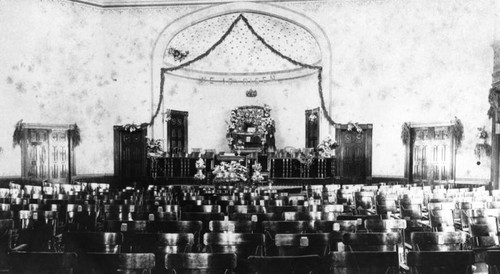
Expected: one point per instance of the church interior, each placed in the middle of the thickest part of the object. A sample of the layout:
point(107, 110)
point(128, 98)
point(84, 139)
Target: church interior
point(265, 136)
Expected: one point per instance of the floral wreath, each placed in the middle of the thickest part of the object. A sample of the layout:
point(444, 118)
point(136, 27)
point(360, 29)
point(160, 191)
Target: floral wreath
point(256, 116)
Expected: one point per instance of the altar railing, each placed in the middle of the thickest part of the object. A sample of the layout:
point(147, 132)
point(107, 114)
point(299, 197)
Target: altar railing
point(276, 168)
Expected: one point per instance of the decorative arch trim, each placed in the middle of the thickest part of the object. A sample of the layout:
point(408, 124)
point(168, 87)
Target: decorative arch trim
point(294, 17)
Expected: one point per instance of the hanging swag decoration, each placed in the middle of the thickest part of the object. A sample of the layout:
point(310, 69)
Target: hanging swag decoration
point(206, 53)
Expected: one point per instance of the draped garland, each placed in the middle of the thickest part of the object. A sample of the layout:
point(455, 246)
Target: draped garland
point(271, 48)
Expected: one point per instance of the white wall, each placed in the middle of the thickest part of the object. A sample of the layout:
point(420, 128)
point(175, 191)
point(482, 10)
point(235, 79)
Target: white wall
point(393, 61)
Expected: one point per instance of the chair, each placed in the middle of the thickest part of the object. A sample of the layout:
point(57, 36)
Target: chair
point(6, 227)
point(130, 263)
point(484, 231)
point(42, 262)
point(361, 262)
point(242, 244)
point(438, 241)
point(386, 204)
point(441, 262)
point(80, 217)
point(232, 226)
point(161, 244)
point(303, 244)
point(193, 227)
point(127, 228)
point(285, 264)
point(256, 218)
point(372, 241)
point(85, 242)
point(364, 201)
point(359, 218)
point(213, 263)
point(493, 261)
point(202, 208)
point(441, 220)
point(245, 209)
point(337, 229)
point(271, 228)
point(302, 216)
point(204, 217)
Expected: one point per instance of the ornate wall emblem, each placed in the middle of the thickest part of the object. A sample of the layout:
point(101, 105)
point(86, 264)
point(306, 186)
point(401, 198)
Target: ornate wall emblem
point(251, 93)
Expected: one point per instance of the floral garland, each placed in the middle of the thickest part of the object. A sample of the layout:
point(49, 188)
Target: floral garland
point(493, 100)
point(134, 127)
point(319, 69)
point(405, 133)
point(17, 137)
point(458, 132)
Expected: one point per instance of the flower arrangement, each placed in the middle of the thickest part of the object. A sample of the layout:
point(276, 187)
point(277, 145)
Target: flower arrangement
point(154, 148)
point(249, 116)
point(326, 147)
point(305, 158)
point(230, 172)
point(257, 176)
point(200, 166)
point(354, 127)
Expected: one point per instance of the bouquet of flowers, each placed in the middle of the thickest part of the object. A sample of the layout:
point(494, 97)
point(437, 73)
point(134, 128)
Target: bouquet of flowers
point(230, 172)
point(154, 148)
point(354, 127)
point(200, 165)
point(326, 147)
point(257, 175)
point(305, 158)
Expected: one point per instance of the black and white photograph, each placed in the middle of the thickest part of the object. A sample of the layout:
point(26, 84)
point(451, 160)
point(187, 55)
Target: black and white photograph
point(252, 137)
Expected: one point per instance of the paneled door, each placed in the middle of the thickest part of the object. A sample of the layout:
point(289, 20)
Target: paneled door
point(47, 152)
point(431, 154)
point(59, 154)
point(129, 155)
point(37, 157)
point(354, 154)
point(177, 128)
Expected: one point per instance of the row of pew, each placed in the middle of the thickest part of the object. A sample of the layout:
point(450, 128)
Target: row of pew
point(191, 229)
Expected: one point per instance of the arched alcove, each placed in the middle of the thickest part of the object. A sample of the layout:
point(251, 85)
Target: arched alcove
point(172, 30)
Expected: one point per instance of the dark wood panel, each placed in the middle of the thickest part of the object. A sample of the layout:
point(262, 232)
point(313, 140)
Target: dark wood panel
point(431, 153)
point(354, 153)
point(130, 155)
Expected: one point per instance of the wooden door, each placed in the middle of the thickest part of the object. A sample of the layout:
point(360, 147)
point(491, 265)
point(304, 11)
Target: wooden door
point(130, 155)
point(59, 155)
point(177, 129)
point(354, 154)
point(47, 152)
point(36, 154)
point(431, 154)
